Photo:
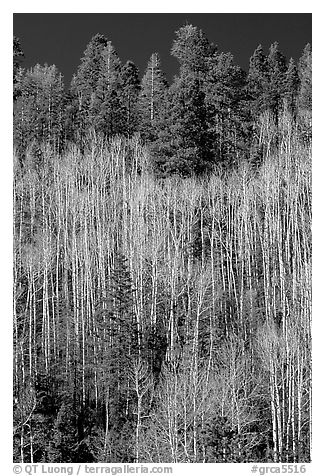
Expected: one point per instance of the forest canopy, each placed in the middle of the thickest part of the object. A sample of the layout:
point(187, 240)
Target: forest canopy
point(162, 258)
point(206, 117)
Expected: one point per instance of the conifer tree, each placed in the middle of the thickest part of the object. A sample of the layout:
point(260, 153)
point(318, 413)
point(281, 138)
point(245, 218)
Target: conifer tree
point(184, 142)
point(276, 68)
point(291, 86)
point(305, 76)
point(106, 107)
point(227, 100)
point(95, 89)
point(192, 50)
point(151, 97)
point(18, 55)
point(257, 81)
point(130, 87)
point(84, 83)
point(90, 69)
point(120, 340)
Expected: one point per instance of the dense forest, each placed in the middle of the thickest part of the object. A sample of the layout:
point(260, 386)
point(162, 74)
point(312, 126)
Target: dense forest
point(162, 258)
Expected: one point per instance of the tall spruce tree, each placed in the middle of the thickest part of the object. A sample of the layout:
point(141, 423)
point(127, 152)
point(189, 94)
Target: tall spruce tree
point(18, 55)
point(184, 143)
point(192, 50)
point(305, 76)
point(185, 138)
point(130, 87)
point(106, 106)
point(95, 89)
point(84, 84)
point(257, 81)
point(124, 340)
point(151, 97)
point(276, 68)
point(227, 100)
point(291, 86)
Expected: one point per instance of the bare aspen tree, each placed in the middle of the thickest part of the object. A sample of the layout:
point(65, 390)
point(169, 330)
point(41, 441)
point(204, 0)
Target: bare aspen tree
point(214, 322)
point(142, 384)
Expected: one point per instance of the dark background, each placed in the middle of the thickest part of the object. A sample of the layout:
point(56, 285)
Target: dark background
point(62, 38)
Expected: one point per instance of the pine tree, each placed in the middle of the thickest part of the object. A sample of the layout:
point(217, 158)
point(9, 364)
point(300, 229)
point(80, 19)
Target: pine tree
point(84, 83)
point(291, 86)
point(151, 97)
point(305, 94)
point(89, 71)
point(276, 68)
point(227, 100)
point(192, 49)
point(257, 81)
point(18, 55)
point(120, 341)
point(63, 444)
point(95, 89)
point(106, 107)
point(184, 144)
point(305, 76)
point(130, 87)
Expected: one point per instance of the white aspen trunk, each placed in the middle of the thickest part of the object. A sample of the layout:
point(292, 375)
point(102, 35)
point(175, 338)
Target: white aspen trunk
point(223, 275)
point(106, 426)
point(293, 422)
point(175, 420)
point(30, 333)
point(137, 431)
point(300, 383)
point(185, 418)
point(289, 412)
point(33, 290)
point(278, 416)
point(22, 444)
point(31, 443)
point(44, 324)
point(274, 415)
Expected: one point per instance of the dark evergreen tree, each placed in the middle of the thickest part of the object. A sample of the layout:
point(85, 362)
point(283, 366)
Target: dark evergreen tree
point(192, 49)
point(184, 142)
point(106, 112)
point(257, 81)
point(305, 76)
point(185, 137)
point(276, 68)
point(130, 87)
point(18, 55)
point(88, 74)
point(84, 84)
point(226, 98)
point(151, 97)
point(291, 86)
point(95, 90)
point(63, 444)
point(305, 94)
point(121, 302)
point(120, 340)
